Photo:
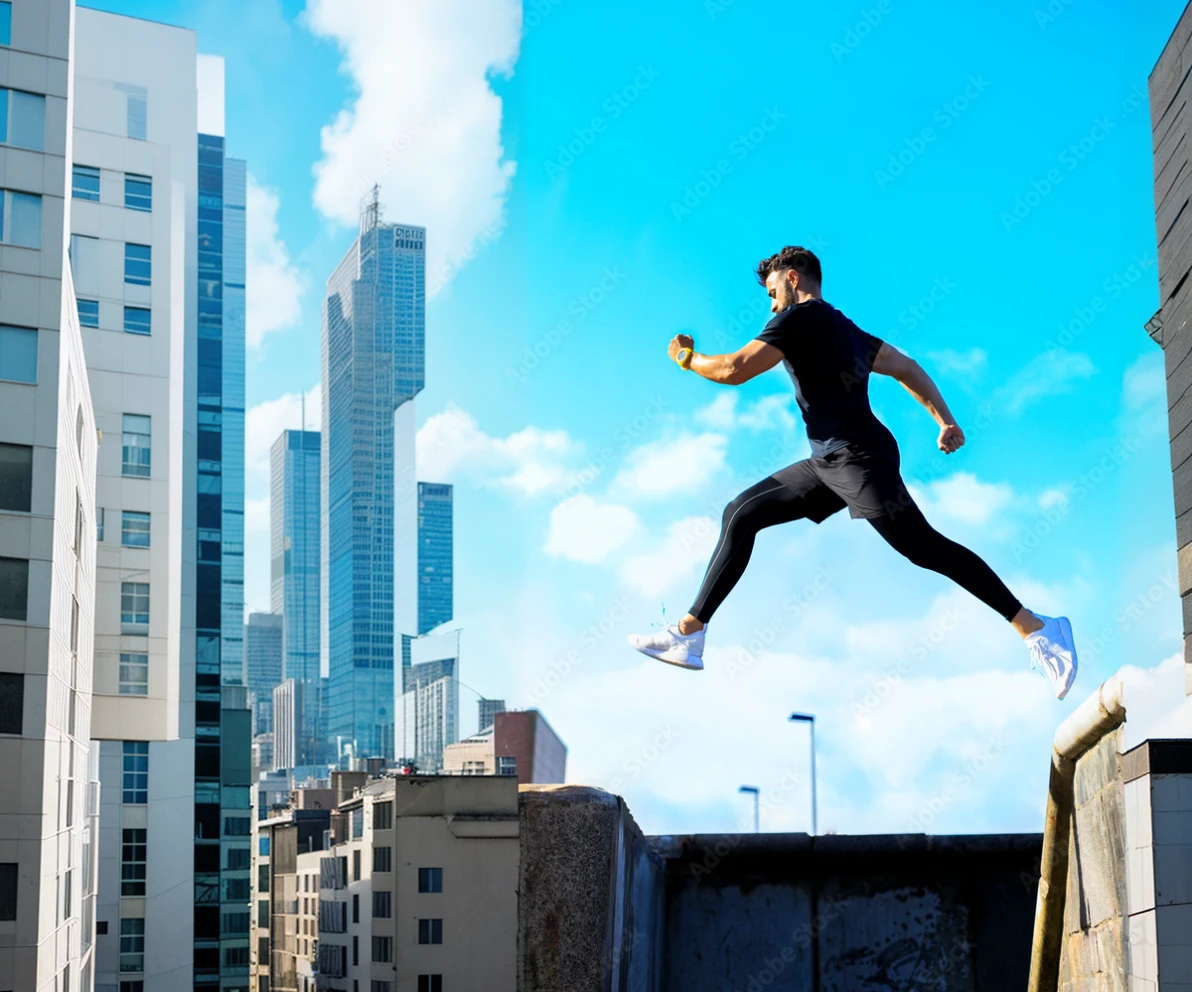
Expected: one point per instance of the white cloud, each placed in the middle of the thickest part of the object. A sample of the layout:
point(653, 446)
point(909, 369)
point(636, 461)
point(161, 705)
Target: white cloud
point(424, 122)
point(959, 362)
point(451, 445)
point(770, 411)
point(1144, 382)
point(586, 531)
point(689, 543)
point(274, 285)
point(1050, 374)
point(264, 423)
point(964, 497)
point(669, 466)
point(1156, 706)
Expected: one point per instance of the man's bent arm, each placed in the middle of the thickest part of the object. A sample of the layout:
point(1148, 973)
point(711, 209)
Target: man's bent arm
point(742, 365)
point(911, 376)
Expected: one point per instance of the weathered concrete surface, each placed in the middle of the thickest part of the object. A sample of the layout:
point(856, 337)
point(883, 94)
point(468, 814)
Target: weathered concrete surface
point(771, 911)
point(1094, 954)
point(590, 894)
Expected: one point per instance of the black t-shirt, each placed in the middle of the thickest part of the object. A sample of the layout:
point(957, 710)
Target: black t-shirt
point(829, 359)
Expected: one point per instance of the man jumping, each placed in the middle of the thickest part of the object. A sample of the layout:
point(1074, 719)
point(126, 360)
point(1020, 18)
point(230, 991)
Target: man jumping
point(854, 462)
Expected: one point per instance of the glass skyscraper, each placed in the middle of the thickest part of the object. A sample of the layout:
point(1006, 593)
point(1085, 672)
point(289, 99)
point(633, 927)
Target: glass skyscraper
point(373, 363)
point(294, 576)
point(435, 566)
point(223, 744)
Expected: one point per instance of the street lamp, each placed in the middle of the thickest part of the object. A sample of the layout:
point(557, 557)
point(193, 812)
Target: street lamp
point(809, 718)
point(757, 823)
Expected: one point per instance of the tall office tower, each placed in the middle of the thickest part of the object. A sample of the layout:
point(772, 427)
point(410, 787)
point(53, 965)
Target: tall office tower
point(294, 571)
point(48, 766)
point(223, 727)
point(263, 665)
point(489, 708)
point(373, 359)
point(428, 717)
point(133, 252)
point(435, 566)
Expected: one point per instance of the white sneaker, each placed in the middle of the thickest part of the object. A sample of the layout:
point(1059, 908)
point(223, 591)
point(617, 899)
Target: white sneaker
point(1054, 652)
point(667, 644)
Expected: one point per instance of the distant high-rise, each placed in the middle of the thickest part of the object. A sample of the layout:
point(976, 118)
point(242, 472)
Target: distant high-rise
point(294, 576)
point(435, 567)
point(489, 708)
point(373, 360)
point(263, 665)
point(428, 717)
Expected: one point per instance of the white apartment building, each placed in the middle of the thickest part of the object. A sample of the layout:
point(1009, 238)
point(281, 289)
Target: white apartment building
point(134, 241)
point(47, 520)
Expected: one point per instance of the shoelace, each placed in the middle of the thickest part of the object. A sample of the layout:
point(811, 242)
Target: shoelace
point(665, 623)
point(1042, 660)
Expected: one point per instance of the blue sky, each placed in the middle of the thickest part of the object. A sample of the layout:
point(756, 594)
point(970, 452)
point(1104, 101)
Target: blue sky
point(595, 178)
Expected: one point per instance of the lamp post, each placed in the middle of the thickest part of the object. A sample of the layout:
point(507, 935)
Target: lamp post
point(757, 822)
point(809, 719)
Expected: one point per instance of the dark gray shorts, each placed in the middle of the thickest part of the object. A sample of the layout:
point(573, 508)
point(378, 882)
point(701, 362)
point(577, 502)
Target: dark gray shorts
point(868, 482)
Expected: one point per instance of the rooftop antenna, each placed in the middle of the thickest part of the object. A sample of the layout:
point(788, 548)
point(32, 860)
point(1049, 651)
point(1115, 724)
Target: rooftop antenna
point(370, 210)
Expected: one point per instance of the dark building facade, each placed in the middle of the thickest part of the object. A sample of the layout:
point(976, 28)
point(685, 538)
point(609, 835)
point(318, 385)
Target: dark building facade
point(1170, 89)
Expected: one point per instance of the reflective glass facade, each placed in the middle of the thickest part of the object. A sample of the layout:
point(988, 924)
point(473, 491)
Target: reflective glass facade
point(435, 575)
point(294, 574)
point(373, 360)
point(222, 726)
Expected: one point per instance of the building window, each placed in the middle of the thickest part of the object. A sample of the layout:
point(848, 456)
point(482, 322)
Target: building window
point(8, 891)
point(356, 865)
point(138, 114)
point(99, 523)
point(239, 859)
point(263, 845)
point(138, 264)
point(355, 907)
point(137, 986)
point(507, 764)
point(430, 983)
point(84, 263)
point(136, 772)
point(382, 859)
point(132, 945)
point(237, 826)
point(137, 320)
point(382, 816)
point(380, 986)
point(16, 477)
point(236, 957)
point(20, 219)
point(358, 822)
point(355, 950)
point(134, 607)
point(5, 22)
point(18, 353)
point(84, 182)
point(382, 905)
point(134, 674)
point(22, 119)
point(132, 863)
point(430, 879)
point(236, 890)
point(138, 192)
point(12, 702)
point(14, 588)
point(134, 529)
point(88, 313)
point(137, 445)
point(382, 949)
point(430, 931)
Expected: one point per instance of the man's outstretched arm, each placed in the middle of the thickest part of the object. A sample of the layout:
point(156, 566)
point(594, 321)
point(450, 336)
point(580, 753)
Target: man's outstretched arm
point(742, 365)
point(910, 374)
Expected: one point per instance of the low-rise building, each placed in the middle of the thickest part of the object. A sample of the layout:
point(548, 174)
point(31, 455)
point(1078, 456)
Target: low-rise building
point(520, 743)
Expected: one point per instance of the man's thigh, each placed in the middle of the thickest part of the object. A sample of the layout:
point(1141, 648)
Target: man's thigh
point(870, 485)
point(815, 499)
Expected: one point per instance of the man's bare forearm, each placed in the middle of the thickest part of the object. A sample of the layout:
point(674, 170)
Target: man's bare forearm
point(921, 386)
point(717, 368)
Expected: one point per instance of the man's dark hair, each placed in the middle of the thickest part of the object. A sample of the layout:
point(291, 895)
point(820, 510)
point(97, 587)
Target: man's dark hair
point(802, 260)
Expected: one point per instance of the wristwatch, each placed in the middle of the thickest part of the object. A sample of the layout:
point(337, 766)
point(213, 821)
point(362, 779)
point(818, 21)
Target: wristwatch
point(684, 357)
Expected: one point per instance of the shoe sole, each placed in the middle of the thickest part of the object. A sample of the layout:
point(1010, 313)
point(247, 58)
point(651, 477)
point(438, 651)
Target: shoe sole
point(678, 664)
point(1066, 629)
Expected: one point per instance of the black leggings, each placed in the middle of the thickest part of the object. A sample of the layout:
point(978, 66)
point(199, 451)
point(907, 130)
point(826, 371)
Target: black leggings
point(770, 502)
